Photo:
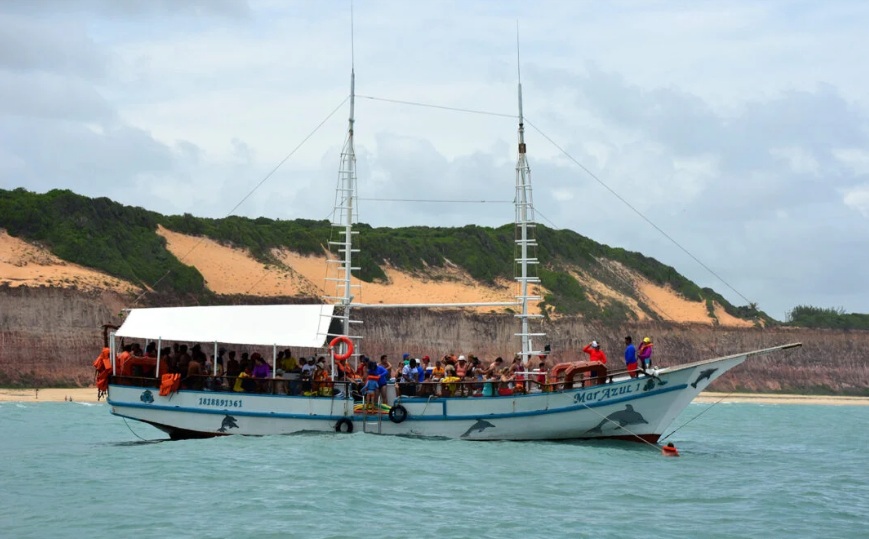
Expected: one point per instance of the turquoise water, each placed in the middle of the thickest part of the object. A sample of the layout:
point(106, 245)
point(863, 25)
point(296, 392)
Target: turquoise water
point(747, 470)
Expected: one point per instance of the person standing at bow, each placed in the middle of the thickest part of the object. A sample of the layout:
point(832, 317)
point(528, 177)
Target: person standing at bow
point(645, 354)
point(630, 357)
point(594, 352)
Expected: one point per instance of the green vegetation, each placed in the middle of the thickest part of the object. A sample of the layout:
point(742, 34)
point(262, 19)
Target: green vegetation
point(817, 317)
point(122, 241)
point(119, 240)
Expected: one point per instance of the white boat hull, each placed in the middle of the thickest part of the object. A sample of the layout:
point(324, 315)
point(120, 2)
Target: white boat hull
point(625, 408)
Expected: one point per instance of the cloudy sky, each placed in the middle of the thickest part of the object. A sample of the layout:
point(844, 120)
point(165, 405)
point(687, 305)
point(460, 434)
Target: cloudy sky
point(739, 128)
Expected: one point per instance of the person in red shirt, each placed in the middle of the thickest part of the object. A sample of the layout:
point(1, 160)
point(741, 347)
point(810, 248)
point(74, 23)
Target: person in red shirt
point(594, 352)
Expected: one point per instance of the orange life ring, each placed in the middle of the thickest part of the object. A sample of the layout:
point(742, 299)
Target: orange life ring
point(345, 340)
point(669, 450)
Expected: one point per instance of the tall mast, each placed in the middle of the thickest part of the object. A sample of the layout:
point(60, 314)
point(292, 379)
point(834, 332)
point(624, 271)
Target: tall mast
point(526, 244)
point(345, 214)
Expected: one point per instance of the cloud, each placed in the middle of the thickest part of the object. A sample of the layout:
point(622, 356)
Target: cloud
point(857, 198)
point(739, 130)
point(55, 47)
point(129, 8)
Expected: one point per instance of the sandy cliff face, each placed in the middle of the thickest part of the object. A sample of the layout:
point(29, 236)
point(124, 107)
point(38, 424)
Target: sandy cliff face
point(28, 265)
point(48, 335)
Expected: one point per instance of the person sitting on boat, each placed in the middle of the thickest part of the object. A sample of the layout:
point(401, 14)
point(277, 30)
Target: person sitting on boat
point(308, 366)
point(449, 383)
point(494, 367)
point(425, 364)
point(437, 371)
point(261, 371)
point(461, 373)
point(384, 362)
point(474, 368)
point(594, 352)
point(506, 377)
point(645, 354)
point(123, 357)
point(289, 363)
point(541, 376)
point(322, 381)
point(518, 373)
point(409, 377)
point(244, 382)
point(630, 357)
point(193, 377)
point(182, 359)
point(489, 385)
point(233, 368)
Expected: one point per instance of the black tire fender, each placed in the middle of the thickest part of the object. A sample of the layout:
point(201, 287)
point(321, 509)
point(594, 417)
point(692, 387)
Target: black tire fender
point(397, 413)
point(344, 425)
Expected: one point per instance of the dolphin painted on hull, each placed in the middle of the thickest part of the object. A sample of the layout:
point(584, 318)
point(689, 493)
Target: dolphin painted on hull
point(704, 375)
point(479, 426)
point(228, 423)
point(628, 416)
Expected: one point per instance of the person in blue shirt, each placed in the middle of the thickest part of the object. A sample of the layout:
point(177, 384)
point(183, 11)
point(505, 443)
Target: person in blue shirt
point(375, 384)
point(630, 357)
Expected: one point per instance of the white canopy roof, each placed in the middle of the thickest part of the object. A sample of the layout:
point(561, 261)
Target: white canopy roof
point(284, 325)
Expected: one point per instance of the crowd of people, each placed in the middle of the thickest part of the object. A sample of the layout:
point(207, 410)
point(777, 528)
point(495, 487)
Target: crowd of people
point(452, 375)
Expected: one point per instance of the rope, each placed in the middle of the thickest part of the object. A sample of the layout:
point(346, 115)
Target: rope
point(134, 433)
point(696, 416)
point(638, 437)
point(442, 107)
point(439, 201)
point(636, 211)
point(577, 163)
point(247, 196)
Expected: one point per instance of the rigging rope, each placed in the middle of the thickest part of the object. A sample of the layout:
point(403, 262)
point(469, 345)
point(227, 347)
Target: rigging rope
point(441, 107)
point(248, 195)
point(696, 416)
point(636, 211)
point(581, 166)
point(637, 436)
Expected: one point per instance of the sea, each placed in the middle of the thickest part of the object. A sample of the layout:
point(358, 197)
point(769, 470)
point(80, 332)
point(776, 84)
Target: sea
point(73, 470)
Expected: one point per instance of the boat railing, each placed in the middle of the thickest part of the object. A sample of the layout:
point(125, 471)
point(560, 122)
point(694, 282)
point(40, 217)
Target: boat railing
point(523, 383)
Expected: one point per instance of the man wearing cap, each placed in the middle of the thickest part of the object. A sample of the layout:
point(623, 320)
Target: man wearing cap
point(594, 352)
point(645, 354)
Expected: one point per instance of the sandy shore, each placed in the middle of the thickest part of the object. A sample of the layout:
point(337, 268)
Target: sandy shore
point(775, 398)
point(49, 394)
point(89, 394)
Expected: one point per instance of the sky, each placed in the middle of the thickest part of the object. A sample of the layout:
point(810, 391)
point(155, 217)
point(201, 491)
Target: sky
point(739, 129)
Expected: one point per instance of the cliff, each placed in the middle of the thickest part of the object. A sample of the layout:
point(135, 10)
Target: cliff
point(49, 336)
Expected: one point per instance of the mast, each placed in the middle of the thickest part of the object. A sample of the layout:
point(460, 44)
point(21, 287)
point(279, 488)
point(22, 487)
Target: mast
point(526, 244)
point(344, 216)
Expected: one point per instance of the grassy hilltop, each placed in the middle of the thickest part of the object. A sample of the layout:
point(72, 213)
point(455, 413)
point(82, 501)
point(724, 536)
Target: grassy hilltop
point(122, 241)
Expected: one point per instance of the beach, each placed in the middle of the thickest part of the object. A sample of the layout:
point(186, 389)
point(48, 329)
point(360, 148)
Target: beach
point(49, 394)
point(89, 394)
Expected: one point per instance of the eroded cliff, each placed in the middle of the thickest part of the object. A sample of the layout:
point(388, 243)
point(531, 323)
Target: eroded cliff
point(50, 336)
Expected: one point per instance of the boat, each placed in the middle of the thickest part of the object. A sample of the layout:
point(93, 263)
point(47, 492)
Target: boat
point(578, 400)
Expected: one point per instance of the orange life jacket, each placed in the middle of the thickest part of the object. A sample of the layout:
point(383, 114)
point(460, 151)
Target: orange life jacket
point(169, 383)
